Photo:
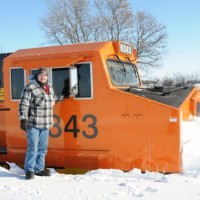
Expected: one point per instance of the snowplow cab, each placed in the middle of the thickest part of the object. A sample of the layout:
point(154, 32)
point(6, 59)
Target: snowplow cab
point(107, 118)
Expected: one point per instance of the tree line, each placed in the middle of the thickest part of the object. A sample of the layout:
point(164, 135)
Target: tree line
point(177, 79)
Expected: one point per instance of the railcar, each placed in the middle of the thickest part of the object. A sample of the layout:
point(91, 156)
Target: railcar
point(107, 119)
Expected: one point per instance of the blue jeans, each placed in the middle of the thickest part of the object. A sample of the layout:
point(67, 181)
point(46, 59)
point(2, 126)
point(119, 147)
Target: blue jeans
point(37, 148)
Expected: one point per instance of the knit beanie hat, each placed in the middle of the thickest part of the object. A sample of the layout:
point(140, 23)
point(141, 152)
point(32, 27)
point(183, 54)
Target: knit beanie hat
point(41, 71)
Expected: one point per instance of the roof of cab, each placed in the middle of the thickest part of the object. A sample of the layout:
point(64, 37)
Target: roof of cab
point(56, 56)
point(70, 49)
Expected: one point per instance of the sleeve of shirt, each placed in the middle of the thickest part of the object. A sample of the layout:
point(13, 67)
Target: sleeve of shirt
point(24, 103)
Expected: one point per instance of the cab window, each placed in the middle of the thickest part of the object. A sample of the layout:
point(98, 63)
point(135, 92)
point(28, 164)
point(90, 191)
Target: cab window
point(84, 81)
point(17, 83)
point(60, 81)
point(34, 71)
point(122, 73)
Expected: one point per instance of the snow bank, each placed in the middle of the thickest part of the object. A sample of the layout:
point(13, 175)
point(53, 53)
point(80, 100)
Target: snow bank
point(190, 134)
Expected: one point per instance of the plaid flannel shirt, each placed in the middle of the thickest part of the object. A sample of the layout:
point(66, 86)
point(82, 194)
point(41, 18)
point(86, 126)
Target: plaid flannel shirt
point(36, 106)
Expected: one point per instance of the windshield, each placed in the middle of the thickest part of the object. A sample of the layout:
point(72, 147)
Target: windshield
point(122, 73)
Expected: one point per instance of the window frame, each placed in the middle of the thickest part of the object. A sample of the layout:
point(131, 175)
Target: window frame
point(51, 79)
point(91, 79)
point(126, 62)
point(51, 75)
point(15, 68)
point(75, 65)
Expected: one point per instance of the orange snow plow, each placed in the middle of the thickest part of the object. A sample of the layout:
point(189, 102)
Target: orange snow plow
point(107, 118)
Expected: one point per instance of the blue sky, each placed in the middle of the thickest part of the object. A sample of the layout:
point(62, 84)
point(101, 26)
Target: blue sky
point(182, 19)
point(19, 24)
point(19, 29)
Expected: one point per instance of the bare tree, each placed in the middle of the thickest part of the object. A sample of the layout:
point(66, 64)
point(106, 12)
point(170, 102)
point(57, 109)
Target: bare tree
point(194, 78)
point(167, 80)
point(73, 21)
point(180, 79)
point(177, 79)
point(116, 17)
point(150, 38)
point(67, 21)
point(185, 79)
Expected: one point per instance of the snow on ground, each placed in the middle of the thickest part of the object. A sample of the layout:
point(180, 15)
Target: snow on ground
point(99, 184)
point(112, 184)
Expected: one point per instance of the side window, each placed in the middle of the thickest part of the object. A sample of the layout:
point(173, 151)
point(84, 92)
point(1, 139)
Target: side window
point(84, 81)
point(60, 79)
point(34, 71)
point(17, 82)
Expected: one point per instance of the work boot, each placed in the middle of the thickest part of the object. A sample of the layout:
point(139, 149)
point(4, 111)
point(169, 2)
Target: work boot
point(45, 172)
point(30, 175)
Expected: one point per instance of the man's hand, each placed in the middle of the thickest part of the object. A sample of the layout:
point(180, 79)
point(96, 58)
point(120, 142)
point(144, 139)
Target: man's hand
point(23, 124)
point(58, 97)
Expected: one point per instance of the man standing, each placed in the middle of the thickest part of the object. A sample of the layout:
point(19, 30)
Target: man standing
point(36, 117)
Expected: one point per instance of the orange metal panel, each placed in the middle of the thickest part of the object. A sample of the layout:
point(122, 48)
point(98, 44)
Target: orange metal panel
point(194, 100)
point(188, 107)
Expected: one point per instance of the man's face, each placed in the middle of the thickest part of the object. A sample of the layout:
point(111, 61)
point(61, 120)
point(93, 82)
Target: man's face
point(42, 77)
